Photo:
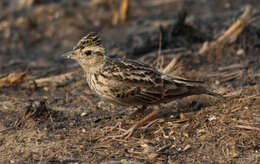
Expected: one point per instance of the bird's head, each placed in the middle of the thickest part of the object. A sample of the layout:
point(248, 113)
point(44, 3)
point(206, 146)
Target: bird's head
point(88, 52)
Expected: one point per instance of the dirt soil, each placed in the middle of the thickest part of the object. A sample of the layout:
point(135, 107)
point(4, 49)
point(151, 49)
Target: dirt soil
point(49, 115)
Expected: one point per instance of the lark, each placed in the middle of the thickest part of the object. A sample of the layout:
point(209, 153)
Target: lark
point(127, 82)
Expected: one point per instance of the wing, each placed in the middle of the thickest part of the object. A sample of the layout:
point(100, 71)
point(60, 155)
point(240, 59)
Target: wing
point(136, 83)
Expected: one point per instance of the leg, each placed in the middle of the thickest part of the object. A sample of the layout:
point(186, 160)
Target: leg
point(139, 110)
point(118, 125)
point(128, 133)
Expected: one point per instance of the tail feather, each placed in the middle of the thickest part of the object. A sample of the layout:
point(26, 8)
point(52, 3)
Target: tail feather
point(203, 90)
point(194, 87)
point(187, 81)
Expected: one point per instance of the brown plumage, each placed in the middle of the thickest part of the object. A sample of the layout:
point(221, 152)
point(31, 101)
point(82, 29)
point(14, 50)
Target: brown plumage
point(127, 82)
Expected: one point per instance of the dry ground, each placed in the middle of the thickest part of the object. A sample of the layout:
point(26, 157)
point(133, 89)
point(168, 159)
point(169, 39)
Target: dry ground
point(57, 119)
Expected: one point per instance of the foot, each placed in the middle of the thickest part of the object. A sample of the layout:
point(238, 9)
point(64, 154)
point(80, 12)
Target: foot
point(137, 111)
point(126, 133)
point(111, 128)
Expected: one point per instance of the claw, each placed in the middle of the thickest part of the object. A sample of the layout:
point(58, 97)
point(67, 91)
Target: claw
point(111, 128)
point(126, 133)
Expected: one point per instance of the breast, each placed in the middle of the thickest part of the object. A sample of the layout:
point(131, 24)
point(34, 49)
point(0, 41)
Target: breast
point(99, 86)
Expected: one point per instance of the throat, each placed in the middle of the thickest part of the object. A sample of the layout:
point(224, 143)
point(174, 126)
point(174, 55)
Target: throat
point(91, 69)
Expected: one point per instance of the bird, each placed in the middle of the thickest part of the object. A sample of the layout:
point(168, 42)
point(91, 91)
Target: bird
point(129, 82)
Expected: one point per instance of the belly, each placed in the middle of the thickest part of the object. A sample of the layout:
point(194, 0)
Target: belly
point(100, 88)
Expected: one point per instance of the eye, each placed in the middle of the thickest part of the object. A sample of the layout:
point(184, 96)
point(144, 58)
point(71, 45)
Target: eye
point(88, 52)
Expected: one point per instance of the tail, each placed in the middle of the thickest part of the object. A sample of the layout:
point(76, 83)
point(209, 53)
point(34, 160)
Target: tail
point(186, 81)
point(196, 90)
point(195, 87)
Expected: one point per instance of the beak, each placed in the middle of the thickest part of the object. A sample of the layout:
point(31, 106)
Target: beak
point(68, 55)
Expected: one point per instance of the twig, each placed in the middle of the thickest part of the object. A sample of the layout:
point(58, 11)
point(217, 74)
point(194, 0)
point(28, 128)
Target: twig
point(164, 148)
point(7, 129)
point(11, 79)
point(247, 127)
point(172, 63)
point(159, 56)
point(67, 160)
point(123, 13)
point(54, 79)
point(233, 67)
point(231, 33)
point(150, 123)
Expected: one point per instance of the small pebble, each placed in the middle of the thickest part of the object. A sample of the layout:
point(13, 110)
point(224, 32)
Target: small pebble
point(83, 114)
point(212, 118)
point(187, 147)
point(185, 134)
point(240, 52)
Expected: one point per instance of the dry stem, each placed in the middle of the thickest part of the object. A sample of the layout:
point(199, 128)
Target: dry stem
point(231, 34)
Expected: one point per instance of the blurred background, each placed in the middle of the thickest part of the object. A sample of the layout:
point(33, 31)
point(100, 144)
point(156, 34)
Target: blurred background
point(33, 33)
